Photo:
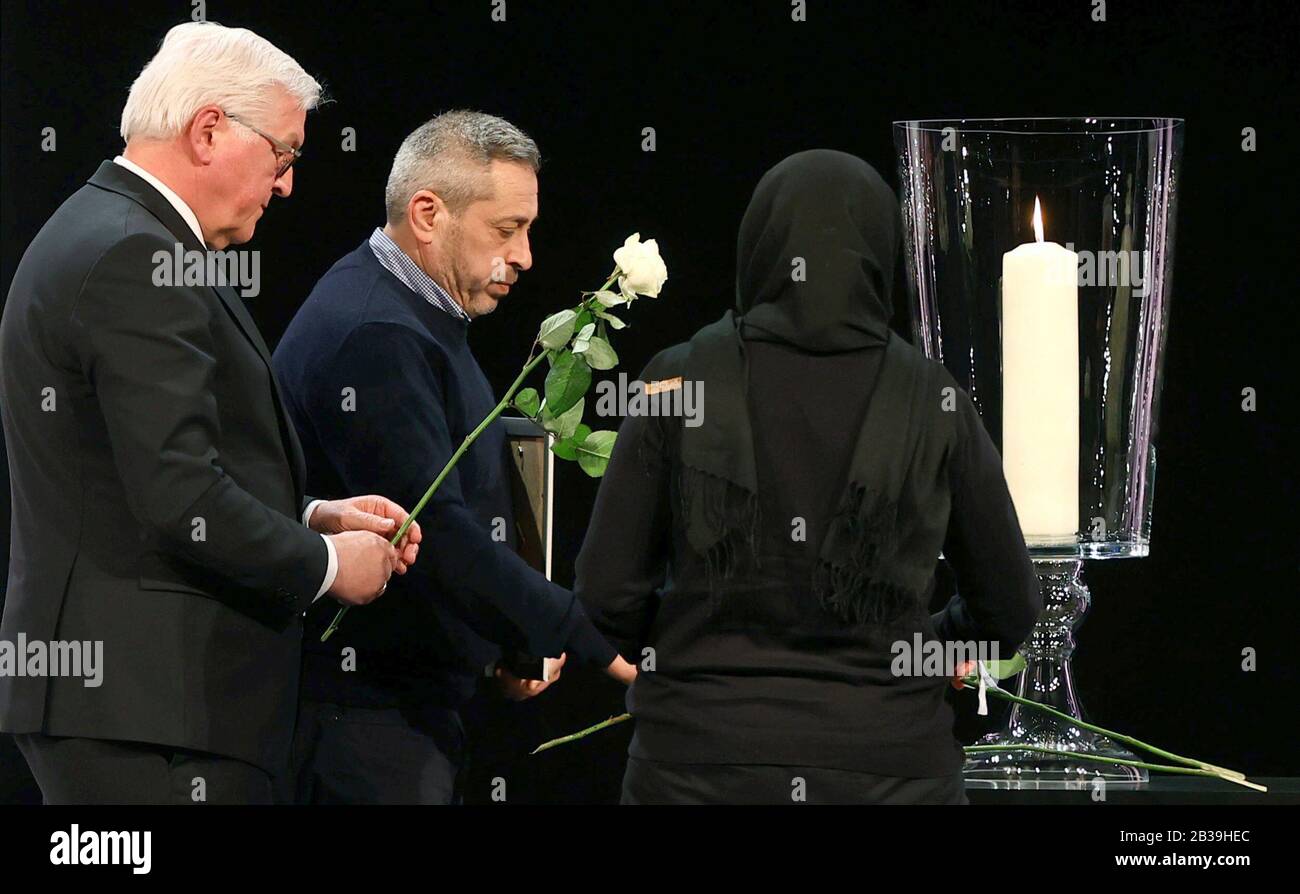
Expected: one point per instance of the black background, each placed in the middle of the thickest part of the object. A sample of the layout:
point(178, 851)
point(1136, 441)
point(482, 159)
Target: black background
point(731, 88)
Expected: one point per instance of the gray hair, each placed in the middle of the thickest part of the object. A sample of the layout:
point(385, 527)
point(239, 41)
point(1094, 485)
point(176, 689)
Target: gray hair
point(449, 155)
point(203, 63)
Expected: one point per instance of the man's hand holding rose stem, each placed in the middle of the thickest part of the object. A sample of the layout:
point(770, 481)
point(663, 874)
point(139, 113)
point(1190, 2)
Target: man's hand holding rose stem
point(359, 528)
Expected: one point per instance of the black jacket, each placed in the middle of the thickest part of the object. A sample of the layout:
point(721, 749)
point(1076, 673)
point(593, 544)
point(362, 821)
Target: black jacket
point(157, 489)
point(754, 670)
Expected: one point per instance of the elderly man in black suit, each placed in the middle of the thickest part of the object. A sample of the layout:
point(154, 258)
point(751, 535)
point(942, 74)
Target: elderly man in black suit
point(158, 488)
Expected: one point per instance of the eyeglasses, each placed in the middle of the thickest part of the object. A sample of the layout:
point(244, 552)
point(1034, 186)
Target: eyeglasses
point(285, 154)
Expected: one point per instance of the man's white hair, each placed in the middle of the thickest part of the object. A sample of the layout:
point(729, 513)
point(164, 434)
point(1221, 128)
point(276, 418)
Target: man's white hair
point(203, 63)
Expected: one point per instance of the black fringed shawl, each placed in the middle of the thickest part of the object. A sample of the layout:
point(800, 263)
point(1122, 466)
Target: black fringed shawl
point(818, 256)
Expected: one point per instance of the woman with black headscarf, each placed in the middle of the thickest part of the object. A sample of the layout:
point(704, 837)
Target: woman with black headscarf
point(761, 566)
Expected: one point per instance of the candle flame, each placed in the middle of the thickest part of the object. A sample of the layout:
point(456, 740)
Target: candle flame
point(1038, 220)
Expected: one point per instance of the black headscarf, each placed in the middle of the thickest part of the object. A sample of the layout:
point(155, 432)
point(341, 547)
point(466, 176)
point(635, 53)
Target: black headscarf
point(818, 254)
point(818, 263)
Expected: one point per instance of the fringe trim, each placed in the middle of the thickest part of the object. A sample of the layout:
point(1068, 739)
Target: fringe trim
point(854, 588)
point(731, 517)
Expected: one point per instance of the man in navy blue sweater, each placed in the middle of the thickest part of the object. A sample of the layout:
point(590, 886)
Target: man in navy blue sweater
point(382, 388)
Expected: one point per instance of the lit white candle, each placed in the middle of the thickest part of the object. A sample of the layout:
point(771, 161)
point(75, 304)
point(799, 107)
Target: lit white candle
point(1040, 386)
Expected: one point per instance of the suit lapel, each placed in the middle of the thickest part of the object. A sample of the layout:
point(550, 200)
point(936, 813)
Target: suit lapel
point(115, 178)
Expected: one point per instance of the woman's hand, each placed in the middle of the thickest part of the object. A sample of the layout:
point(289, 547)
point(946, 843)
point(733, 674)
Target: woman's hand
point(622, 671)
point(963, 670)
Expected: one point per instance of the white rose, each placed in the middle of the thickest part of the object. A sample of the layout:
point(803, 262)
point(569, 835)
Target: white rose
point(642, 270)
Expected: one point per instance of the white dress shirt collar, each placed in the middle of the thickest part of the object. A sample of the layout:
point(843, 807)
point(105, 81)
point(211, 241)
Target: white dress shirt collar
point(176, 201)
point(400, 264)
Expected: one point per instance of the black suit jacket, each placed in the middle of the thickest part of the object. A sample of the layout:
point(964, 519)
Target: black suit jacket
point(157, 489)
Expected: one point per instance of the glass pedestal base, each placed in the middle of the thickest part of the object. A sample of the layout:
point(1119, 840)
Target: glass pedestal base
point(1049, 679)
point(1015, 769)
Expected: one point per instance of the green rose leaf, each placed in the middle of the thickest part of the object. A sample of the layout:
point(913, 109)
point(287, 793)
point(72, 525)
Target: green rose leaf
point(600, 355)
point(584, 338)
point(608, 298)
point(609, 318)
point(565, 424)
point(556, 329)
point(584, 318)
point(568, 448)
point(566, 383)
point(594, 452)
point(528, 402)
